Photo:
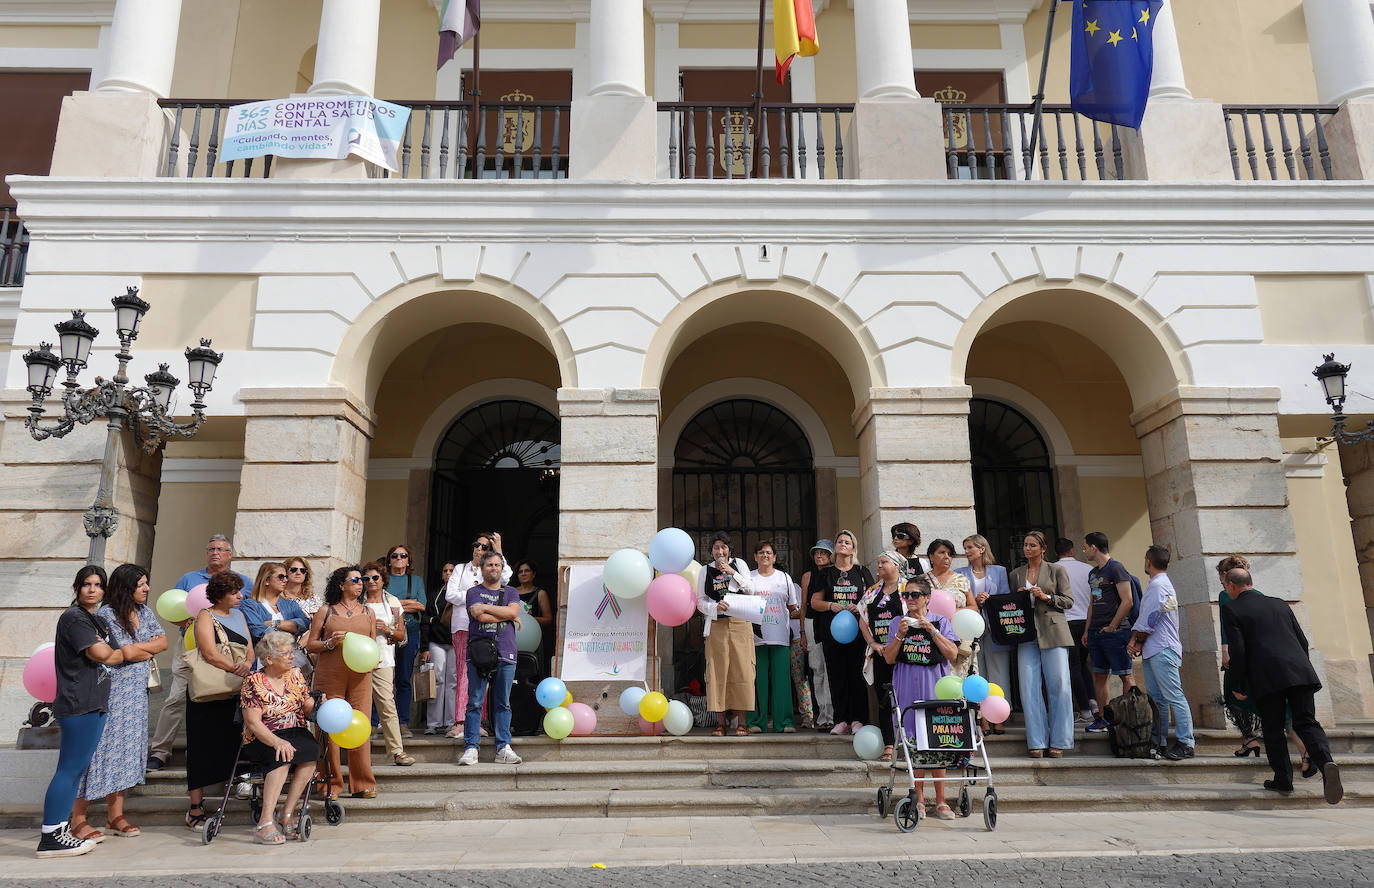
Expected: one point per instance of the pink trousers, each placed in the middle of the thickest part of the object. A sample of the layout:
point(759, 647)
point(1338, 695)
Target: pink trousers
point(460, 658)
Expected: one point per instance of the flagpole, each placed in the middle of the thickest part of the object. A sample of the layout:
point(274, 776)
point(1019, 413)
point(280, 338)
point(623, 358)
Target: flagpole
point(1039, 106)
point(475, 91)
point(758, 96)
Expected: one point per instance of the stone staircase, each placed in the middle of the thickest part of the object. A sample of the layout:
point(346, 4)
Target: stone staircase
point(803, 773)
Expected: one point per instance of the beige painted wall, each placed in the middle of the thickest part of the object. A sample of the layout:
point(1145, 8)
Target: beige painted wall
point(271, 39)
point(1315, 309)
point(732, 35)
point(384, 519)
point(406, 49)
point(187, 307)
point(206, 45)
point(517, 35)
point(851, 512)
point(927, 36)
point(836, 76)
point(1117, 507)
point(49, 36)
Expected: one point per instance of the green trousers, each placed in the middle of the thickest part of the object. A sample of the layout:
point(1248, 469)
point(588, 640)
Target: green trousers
point(772, 687)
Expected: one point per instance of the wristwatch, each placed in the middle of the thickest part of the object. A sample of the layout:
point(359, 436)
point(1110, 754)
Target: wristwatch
point(276, 624)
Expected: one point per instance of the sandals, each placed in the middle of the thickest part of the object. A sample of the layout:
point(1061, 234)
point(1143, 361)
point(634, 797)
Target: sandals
point(273, 835)
point(85, 832)
point(943, 812)
point(1036, 753)
point(123, 828)
point(718, 731)
point(196, 821)
point(741, 731)
point(291, 828)
point(887, 754)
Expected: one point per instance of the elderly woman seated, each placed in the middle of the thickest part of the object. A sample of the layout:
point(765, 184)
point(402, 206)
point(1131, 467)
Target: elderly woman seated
point(276, 702)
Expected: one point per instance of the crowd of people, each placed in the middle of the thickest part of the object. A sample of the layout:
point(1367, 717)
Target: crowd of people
point(244, 667)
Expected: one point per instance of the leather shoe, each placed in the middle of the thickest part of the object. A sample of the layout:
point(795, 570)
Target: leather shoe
point(1331, 780)
point(1178, 752)
point(1275, 786)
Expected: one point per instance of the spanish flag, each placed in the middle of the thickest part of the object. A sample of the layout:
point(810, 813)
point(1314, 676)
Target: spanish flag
point(794, 33)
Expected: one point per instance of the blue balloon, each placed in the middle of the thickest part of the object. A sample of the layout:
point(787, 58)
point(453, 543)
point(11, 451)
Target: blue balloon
point(551, 692)
point(976, 689)
point(671, 550)
point(844, 628)
point(334, 715)
point(629, 700)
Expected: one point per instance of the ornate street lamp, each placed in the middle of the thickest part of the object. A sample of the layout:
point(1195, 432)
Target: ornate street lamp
point(145, 411)
point(1331, 373)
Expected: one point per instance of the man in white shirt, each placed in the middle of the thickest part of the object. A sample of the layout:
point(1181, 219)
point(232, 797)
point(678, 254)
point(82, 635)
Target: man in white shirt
point(456, 594)
point(1078, 620)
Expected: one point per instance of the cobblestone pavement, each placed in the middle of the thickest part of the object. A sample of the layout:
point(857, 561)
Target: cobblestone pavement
point(1331, 869)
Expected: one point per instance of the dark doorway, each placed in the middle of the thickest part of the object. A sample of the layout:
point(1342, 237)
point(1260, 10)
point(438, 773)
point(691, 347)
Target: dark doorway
point(746, 468)
point(1013, 478)
point(496, 468)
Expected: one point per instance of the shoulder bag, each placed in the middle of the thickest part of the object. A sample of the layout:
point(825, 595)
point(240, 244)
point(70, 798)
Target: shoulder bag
point(208, 682)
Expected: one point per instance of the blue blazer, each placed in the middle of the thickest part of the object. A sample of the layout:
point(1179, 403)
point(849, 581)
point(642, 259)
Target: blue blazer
point(257, 615)
point(996, 584)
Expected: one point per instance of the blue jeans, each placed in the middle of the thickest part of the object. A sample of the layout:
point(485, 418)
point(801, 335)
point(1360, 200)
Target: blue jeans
point(1162, 682)
point(79, 735)
point(1050, 670)
point(500, 705)
point(405, 666)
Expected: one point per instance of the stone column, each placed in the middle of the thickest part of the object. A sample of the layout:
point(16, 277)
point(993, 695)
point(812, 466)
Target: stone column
point(304, 478)
point(1341, 36)
point(118, 129)
point(614, 130)
point(1181, 138)
point(607, 500)
point(1216, 485)
point(894, 133)
point(45, 489)
point(914, 464)
point(346, 54)
point(1357, 465)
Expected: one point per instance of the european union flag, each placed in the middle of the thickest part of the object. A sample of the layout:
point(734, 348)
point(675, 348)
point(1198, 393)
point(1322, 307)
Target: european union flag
point(1113, 59)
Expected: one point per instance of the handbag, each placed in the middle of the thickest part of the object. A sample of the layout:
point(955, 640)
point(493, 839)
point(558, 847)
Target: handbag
point(1011, 617)
point(484, 654)
point(208, 682)
point(154, 676)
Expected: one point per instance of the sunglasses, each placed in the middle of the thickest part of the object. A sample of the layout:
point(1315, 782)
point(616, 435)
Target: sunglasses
point(901, 536)
point(278, 576)
point(483, 546)
point(373, 578)
point(296, 570)
point(397, 556)
point(354, 580)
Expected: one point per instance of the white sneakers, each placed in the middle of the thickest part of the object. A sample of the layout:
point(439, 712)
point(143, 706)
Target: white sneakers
point(469, 756)
point(506, 756)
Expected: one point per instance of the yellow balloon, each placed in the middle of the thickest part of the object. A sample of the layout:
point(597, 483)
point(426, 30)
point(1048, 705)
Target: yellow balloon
point(356, 734)
point(190, 638)
point(653, 707)
point(567, 699)
point(691, 573)
point(996, 690)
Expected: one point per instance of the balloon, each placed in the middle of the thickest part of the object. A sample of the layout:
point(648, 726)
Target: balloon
point(196, 600)
point(334, 715)
point(651, 728)
point(361, 652)
point(171, 606)
point(584, 719)
point(671, 550)
point(690, 574)
point(678, 720)
point(995, 690)
point(44, 646)
point(671, 600)
point(629, 700)
point(190, 639)
point(567, 699)
point(528, 634)
point(551, 692)
point(627, 573)
point(968, 624)
point(949, 688)
point(40, 675)
point(976, 689)
point(559, 722)
point(356, 734)
point(942, 603)
point(653, 707)
point(844, 628)
point(996, 709)
point(868, 743)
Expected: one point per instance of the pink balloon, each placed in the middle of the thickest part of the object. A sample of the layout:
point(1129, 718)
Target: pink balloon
point(995, 709)
point(40, 675)
point(584, 719)
point(196, 600)
point(671, 600)
point(942, 603)
point(654, 728)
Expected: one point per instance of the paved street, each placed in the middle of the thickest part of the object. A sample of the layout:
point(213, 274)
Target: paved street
point(1292, 847)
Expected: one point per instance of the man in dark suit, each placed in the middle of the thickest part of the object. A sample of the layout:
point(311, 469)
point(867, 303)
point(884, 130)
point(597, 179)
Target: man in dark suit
point(1269, 660)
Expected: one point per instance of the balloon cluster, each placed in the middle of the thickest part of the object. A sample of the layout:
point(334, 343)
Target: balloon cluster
point(655, 712)
point(629, 573)
point(991, 699)
point(345, 725)
point(563, 717)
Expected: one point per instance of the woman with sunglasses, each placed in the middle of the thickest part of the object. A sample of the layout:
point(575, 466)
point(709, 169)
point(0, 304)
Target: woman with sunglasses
point(300, 586)
point(920, 651)
point(456, 593)
point(906, 541)
point(409, 589)
point(268, 609)
point(343, 612)
point(390, 632)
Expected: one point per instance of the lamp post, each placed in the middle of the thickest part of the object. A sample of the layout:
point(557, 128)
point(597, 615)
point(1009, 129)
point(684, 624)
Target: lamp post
point(1331, 373)
point(145, 410)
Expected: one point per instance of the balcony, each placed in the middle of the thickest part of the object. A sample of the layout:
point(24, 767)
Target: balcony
point(796, 141)
point(14, 248)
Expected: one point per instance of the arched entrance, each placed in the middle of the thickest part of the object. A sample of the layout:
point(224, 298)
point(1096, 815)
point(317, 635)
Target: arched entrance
point(496, 468)
point(1013, 478)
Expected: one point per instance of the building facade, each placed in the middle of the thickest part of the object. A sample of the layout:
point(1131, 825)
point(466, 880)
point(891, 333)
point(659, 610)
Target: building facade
point(591, 320)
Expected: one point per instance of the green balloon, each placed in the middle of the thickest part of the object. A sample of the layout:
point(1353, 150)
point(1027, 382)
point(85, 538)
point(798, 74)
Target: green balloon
point(558, 722)
point(949, 688)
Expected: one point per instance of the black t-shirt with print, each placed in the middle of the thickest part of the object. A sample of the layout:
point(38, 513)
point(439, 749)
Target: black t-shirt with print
point(82, 684)
point(1106, 600)
point(844, 587)
point(918, 649)
point(882, 610)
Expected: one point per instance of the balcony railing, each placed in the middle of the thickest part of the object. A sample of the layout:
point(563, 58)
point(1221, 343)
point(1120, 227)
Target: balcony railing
point(14, 248)
point(1273, 143)
point(716, 140)
point(995, 142)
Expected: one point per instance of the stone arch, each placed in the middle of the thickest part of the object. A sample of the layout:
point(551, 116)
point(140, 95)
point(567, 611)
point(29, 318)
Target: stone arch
point(781, 397)
point(808, 310)
point(1040, 414)
point(1146, 351)
point(475, 395)
point(408, 312)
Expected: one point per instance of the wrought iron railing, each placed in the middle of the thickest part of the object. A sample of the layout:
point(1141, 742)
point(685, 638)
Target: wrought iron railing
point(708, 140)
point(995, 142)
point(1279, 143)
point(14, 248)
point(197, 133)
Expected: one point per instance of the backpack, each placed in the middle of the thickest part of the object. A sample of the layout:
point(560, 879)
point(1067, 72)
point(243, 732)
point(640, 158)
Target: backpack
point(1136, 595)
point(1131, 724)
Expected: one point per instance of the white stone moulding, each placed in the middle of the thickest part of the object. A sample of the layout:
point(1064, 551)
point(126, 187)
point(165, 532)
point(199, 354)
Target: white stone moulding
point(1304, 464)
point(964, 11)
point(56, 12)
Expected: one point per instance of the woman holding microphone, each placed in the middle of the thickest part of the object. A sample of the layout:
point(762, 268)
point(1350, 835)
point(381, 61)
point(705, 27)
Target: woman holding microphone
point(729, 640)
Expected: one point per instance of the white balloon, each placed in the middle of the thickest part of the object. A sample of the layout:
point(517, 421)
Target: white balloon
point(46, 644)
point(968, 624)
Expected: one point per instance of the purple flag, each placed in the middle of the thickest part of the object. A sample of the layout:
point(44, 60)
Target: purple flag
point(458, 23)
